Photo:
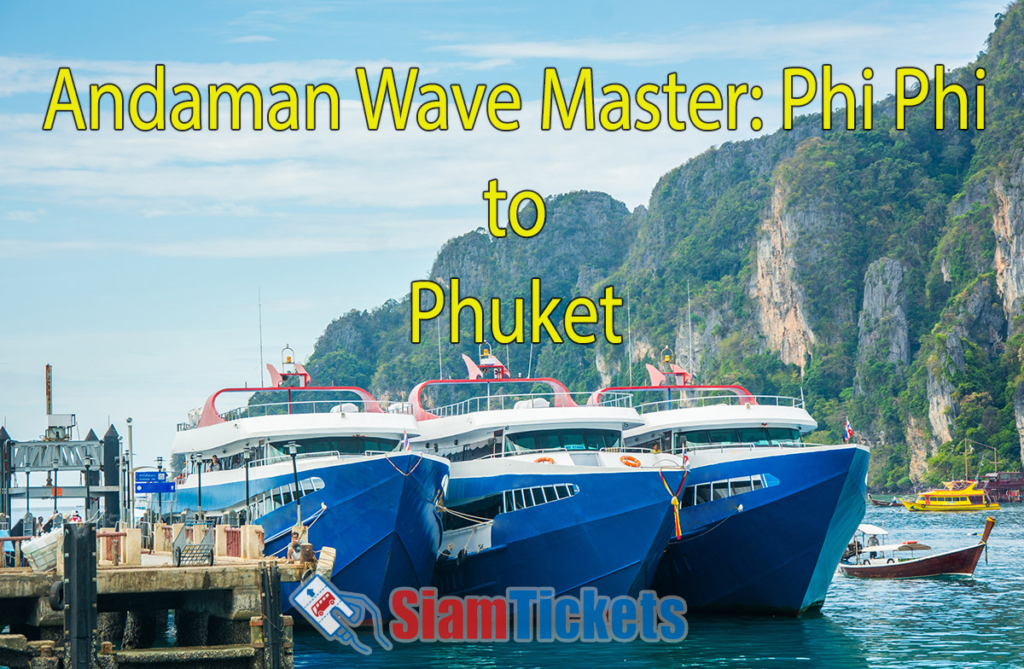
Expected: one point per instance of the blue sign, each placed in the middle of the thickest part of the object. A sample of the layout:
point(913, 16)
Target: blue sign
point(150, 477)
point(155, 488)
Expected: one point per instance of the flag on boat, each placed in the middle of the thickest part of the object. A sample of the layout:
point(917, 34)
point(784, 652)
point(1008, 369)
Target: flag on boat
point(405, 440)
point(848, 431)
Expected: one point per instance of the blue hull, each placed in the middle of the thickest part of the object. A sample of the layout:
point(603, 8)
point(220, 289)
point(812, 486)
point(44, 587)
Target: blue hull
point(380, 517)
point(777, 554)
point(610, 536)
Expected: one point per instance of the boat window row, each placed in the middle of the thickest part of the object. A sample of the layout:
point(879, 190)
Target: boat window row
point(755, 436)
point(570, 440)
point(345, 445)
point(715, 490)
point(489, 506)
point(524, 498)
point(275, 498)
point(974, 499)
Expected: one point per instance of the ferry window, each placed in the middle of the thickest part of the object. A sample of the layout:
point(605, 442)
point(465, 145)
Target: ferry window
point(564, 491)
point(568, 439)
point(720, 490)
point(780, 435)
point(521, 441)
point(697, 438)
point(549, 440)
point(349, 445)
point(703, 493)
point(572, 440)
point(723, 436)
point(758, 483)
point(520, 502)
point(740, 486)
point(757, 436)
point(510, 504)
point(687, 497)
point(549, 493)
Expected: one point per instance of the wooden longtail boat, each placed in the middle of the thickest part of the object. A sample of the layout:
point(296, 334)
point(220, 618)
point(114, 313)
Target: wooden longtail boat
point(888, 561)
point(881, 502)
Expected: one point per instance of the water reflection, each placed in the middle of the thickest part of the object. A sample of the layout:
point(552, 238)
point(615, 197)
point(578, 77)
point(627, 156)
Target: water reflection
point(914, 623)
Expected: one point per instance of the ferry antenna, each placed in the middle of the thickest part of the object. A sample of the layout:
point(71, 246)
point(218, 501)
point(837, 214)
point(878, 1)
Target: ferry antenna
point(259, 304)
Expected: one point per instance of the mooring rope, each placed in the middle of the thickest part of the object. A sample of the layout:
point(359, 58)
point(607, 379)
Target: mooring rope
point(675, 498)
point(464, 516)
point(409, 473)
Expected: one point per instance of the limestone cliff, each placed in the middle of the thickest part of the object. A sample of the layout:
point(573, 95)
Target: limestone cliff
point(882, 325)
point(1008, 225)
point(921, 447)
point(776, 289)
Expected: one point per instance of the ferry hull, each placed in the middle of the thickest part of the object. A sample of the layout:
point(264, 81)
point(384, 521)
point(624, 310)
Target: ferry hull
point(609, 536)
point(777, 554)
point(380, 517)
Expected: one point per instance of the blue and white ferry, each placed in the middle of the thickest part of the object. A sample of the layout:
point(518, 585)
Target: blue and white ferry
point(329, 465)
point(541, 493)
point(766, 516)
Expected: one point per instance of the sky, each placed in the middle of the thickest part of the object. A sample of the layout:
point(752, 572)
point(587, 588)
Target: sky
point(135, 263)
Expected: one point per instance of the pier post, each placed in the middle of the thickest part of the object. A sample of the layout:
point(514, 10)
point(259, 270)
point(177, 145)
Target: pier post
point(111, 500)
point(272, 623)
point(5, 474)
point(80, 594)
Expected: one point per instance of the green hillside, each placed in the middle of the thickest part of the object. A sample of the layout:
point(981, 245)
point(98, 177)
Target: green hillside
point(879, 272)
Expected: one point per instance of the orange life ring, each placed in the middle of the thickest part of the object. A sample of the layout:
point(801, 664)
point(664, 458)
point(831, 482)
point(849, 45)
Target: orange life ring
point(629, 461)
point(907, 543)
point(545, 459)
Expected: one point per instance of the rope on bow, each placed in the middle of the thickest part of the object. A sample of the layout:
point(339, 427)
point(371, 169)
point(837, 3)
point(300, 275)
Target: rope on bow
point(675, 499)
point(397, 469)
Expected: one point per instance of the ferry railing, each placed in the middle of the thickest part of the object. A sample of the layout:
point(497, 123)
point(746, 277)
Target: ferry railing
point(298, 456)
point(505, 401)
point(719, 399)
point(750, 446)
point(299, 407)
point(562, 449)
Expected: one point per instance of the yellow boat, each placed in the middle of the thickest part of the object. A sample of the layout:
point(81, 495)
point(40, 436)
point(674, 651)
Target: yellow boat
point(956, 496)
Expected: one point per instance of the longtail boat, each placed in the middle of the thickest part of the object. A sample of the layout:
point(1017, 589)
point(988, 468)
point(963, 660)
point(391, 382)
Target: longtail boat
point(902, 560)
point(893, 501)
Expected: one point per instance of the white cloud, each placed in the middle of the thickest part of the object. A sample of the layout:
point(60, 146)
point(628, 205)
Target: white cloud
point(23, 216)
point(249, 39)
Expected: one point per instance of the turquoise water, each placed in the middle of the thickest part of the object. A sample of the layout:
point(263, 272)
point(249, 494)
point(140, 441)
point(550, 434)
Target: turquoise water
point(975, 622)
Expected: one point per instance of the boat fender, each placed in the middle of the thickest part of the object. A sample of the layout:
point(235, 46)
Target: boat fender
point(629, 461)
point(57, 596)
point(462, 556)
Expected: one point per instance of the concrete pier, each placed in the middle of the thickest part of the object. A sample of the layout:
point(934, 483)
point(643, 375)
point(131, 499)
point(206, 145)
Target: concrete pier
point(218, 612)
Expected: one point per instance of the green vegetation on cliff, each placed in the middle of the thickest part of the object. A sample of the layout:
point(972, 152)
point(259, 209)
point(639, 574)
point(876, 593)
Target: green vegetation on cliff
point(877, 272)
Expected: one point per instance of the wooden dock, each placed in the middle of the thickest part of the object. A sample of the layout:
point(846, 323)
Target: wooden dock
point(219, 613)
